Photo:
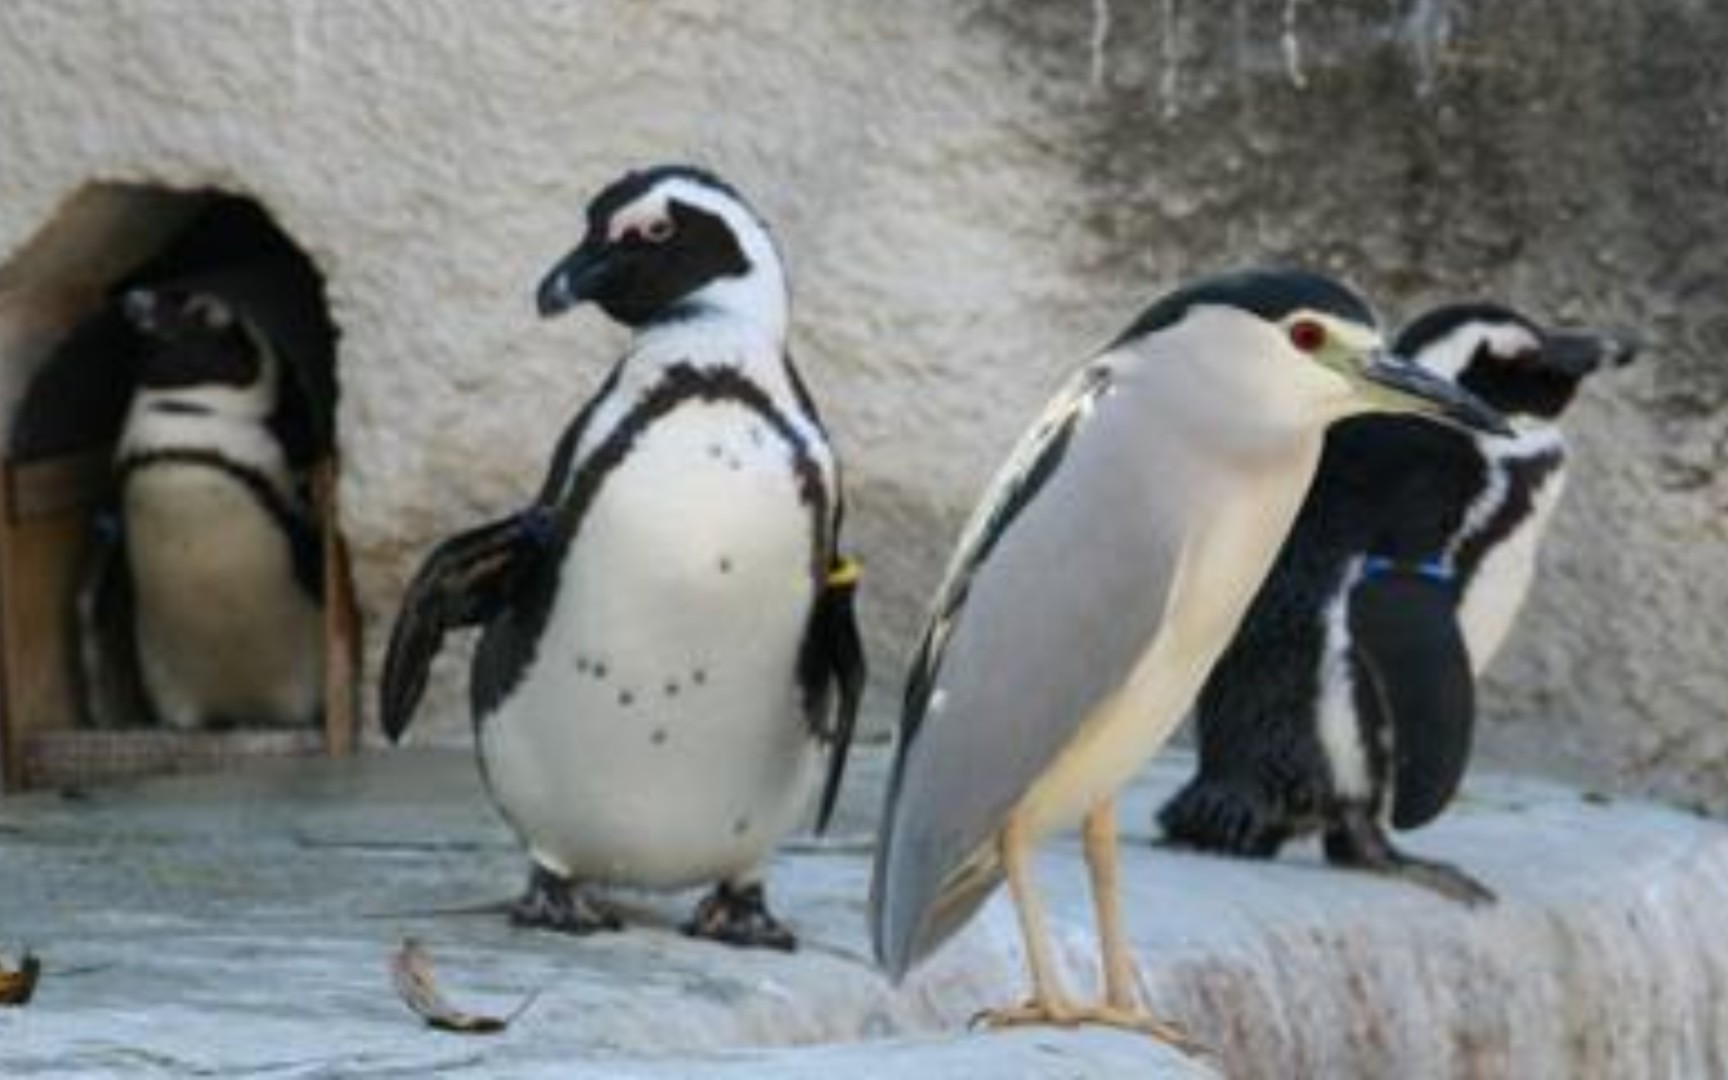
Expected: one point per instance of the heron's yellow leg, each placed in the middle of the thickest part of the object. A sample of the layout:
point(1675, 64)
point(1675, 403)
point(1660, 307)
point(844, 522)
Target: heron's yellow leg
point(1049, 1004)
point(1098, 833)
point(1121, 1006)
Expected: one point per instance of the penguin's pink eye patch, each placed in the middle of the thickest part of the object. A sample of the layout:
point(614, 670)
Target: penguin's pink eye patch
point(1307, 335)
point(656, 230)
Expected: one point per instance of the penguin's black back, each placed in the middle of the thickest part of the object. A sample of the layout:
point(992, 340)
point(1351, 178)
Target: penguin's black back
point(1395, 486)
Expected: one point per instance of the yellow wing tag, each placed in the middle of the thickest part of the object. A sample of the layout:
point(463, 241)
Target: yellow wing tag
point(845, 573)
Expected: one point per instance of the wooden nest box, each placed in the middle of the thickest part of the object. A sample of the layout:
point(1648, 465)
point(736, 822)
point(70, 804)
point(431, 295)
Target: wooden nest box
point(68, 387)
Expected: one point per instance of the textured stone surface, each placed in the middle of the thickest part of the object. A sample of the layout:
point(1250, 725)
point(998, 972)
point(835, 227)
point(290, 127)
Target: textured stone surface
point(241, 925)
point(971, 197)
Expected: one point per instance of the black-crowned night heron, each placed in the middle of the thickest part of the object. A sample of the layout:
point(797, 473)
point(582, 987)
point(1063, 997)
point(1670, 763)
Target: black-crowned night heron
point(1346, 700)
point(665, 627)
point(1093, 590)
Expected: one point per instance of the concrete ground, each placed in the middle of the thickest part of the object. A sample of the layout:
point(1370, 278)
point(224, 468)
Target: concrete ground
point(242, 925)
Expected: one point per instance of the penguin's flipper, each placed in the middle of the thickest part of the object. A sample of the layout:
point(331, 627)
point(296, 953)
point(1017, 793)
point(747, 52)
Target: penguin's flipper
point(306, 546)
point(110, 683)
point(466, 581)
point(834, 653)
point(1415, 672)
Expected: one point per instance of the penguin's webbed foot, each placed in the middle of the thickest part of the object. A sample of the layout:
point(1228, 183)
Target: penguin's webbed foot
point(555, 903)
point(738, 915)
point(1360, 844)
point(1216, 816)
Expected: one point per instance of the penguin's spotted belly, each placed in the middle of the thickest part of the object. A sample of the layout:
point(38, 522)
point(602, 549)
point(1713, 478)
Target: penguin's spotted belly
point(657, 737)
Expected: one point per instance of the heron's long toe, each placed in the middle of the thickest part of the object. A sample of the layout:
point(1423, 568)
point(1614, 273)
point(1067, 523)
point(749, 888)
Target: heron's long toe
point(1064, 1014)
point(738, 915)
point(1141, 1020)
point(1036, 1011)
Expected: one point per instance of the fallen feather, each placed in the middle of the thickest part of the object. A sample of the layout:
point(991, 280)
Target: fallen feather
point(411, 970)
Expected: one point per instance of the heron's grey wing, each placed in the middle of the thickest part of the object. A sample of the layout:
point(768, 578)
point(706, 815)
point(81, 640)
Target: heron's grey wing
point(1060, 586)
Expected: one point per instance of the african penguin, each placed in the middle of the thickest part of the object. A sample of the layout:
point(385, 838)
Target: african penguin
point(664, 627)
point(220, 549)
point(1346, 699)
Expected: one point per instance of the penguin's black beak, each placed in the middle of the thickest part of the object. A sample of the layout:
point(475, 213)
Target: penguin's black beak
point(1577, 353)
point(581, 276)
point(1408, 387)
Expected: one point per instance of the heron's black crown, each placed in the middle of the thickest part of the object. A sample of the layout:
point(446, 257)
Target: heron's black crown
point(1269, 293)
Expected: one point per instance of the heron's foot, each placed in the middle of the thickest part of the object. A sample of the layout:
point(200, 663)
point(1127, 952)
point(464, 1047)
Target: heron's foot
point(1361, 845)
point(1063, 1014)
point(555, 903)
point(738, 915)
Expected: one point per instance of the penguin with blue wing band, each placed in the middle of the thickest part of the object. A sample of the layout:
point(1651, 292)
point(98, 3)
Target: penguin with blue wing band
point(1346, 702)
point(668, 647)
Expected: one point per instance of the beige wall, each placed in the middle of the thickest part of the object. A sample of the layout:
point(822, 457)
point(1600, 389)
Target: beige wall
point(970, 200)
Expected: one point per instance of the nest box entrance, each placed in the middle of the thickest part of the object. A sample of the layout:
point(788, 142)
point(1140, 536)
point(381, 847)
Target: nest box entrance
point(85, 309)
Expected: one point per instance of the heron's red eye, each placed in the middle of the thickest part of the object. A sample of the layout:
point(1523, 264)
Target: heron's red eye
point(1307, 335)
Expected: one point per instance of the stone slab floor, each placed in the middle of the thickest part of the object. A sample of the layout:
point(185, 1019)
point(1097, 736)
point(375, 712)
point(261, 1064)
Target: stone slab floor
point(241, 925)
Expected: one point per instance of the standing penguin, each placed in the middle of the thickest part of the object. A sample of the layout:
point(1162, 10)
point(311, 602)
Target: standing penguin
point(1346, 699)
point(1095, 586)
point(664, 627)
point(221, 552)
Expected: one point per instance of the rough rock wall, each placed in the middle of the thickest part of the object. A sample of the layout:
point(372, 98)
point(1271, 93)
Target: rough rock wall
point(971, 196)
point(1567, 157)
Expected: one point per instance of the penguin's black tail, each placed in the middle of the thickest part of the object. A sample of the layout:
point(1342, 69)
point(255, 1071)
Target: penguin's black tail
point(1227, 816)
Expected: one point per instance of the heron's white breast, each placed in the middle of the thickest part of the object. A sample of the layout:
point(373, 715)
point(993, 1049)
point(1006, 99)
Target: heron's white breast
point(1236, 521)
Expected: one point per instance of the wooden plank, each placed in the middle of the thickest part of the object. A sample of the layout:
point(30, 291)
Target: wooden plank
point(40, 562)
point(71, 757)
point(11, 742)
point(342, 630)
point(43, 545)
point(47, 558)
point(52, 487)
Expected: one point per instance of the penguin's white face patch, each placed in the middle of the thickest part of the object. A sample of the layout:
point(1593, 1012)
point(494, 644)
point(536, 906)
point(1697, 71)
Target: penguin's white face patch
point(1449, 356)
point(648, 218)
point(757, 291)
